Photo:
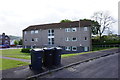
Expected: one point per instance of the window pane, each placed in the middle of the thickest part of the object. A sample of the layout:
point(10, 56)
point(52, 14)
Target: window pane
point(74, 39)
point(85, 28)
point(74, 29)
point(36, 31)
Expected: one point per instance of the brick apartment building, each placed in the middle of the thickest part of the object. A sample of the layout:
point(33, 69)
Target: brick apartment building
point(71, 36)
point(4, 40)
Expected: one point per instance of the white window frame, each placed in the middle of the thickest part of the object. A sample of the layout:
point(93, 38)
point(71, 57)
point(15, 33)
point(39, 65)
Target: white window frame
point(36, 31)
point(32, 31)
point(50, 33)
point(67, 39)
point(68, 48)
point(67, 29)
point(36, 39)
point(73, 48)
point(85, 48)
point(74, 40)
point(74, 29)
point(85, 28)
point(50, 42)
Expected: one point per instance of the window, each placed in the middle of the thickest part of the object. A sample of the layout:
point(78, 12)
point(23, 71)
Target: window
point(36, 39)
point(67, 39)
point(85, 38)
point(36, 31)
point(32, 40)
point(74, 48)
point(50, 32)
point(85, 48)
point(74, 39)
point(32, 32)
point(68, 48)
point(6, 37)
point(25, 32)
point(50, 41)
point(74, 29)
point(25, 39)
point(85, 28)
point(67, 29)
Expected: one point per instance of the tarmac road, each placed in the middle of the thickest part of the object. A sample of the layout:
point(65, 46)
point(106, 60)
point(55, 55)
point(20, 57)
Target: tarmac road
point(104, 67)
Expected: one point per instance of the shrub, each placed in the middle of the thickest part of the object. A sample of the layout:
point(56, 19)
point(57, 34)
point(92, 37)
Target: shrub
point(26, 50)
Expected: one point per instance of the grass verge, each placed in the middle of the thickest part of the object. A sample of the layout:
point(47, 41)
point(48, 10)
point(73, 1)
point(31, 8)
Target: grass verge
point(7, 64)
point(74, 54)
point(15, 53)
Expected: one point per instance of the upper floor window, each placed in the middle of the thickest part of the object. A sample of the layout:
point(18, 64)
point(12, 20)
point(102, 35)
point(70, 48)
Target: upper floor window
point(50, 32)
point(74, 39)
point(74, 29)
point(32, 32)
point(36, 39)
point(25, 40)
point(67, 39)
point(85, 38)
point(85, 28)
point(32, 40)
point(6, 37)
point(67, 29)
point(25, 32)
point(36, 31)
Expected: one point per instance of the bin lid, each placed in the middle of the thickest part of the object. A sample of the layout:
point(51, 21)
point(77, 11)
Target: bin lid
point(46, 48)
point(58, 47)
point(38, 49)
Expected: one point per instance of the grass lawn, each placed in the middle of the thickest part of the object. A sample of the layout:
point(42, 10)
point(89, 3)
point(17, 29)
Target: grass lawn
point(7, 64)
point(15, 53)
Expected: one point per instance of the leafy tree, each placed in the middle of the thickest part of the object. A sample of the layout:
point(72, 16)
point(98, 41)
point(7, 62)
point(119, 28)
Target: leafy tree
point(16, 42)
point(104, 20)
point(20, 42)
point(65, 20)
point(95, 26)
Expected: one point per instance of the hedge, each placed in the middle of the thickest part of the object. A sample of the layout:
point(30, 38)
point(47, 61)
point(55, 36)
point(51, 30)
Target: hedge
point(26, 50)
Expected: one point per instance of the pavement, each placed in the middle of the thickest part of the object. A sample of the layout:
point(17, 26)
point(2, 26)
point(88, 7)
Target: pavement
point(24, 60)
point(25, 72)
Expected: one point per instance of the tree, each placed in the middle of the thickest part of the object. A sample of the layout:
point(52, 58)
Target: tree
point(105, 21)
point(16, 42)
point(65, 20)
point(20, 42)
point(95, 26)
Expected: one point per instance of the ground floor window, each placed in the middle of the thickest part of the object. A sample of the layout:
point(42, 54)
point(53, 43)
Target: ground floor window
point(74, 48)
point(86, 48)
point(68, 48)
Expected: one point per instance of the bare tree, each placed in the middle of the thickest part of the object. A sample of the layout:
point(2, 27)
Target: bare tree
point(105, 21)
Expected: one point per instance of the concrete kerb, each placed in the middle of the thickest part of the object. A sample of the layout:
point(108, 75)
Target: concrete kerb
point(72, 64)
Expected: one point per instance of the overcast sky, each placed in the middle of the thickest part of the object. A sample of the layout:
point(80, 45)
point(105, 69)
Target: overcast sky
point(16, 15)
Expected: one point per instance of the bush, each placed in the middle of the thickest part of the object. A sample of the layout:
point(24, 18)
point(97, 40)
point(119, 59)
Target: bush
point(26, 50)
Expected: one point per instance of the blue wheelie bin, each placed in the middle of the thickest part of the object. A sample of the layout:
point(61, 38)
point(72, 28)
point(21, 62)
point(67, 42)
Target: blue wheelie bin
point(36, 59)
point(57, 56)
point(48, 57)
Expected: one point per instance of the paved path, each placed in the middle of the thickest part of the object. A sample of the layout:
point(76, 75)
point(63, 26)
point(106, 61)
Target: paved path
point(24, 60)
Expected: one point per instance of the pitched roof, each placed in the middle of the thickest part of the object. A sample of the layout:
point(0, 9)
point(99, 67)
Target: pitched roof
point(59, 25)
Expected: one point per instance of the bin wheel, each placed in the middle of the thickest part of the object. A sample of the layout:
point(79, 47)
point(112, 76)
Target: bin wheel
point(30, 66)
